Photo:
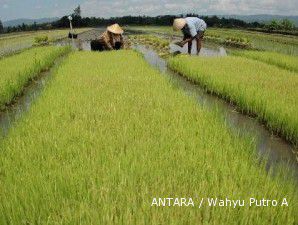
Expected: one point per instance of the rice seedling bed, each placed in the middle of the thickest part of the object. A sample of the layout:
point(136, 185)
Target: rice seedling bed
point(17, 70)
point(281, 60)
point(104, 140)
point(256, 88)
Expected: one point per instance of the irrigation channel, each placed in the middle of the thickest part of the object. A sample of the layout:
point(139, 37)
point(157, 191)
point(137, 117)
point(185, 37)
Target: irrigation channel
point(275, 149)
point(22, 103)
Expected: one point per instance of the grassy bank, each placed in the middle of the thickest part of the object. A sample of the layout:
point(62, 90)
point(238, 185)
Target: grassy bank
point(18, 69)
point(255, 87)
point(104, 140)
point(283, 61)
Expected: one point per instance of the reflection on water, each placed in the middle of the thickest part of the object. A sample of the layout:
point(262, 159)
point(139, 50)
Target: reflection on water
point(275, 149)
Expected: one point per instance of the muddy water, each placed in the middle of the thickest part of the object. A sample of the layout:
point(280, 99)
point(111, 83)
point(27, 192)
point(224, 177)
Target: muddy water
point(269, 146)
point(23, 103)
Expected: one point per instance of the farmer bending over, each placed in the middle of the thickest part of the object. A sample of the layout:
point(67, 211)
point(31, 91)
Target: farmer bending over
point(192, 28)
point(111, 39)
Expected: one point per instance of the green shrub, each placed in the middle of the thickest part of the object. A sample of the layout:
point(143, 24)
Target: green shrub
point(39, 40)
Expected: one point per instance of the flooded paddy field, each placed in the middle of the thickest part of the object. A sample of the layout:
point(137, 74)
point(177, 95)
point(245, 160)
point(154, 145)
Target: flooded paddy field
point(286, 44)
point(83, 41)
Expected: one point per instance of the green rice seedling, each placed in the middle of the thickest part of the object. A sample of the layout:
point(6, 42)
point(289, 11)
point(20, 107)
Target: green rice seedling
point(273, 58)
point(18, 69)
point(257, 88)
point(103, 141)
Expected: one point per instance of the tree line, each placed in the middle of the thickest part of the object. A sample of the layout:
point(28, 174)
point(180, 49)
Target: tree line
point(166, 20)
point(1, 27)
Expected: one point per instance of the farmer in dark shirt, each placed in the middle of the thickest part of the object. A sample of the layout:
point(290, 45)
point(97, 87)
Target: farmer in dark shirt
point(193, 28)
point(111, 39)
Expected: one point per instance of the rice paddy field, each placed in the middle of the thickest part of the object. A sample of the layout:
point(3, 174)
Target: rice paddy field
point(112, 140)
point(102, 141)
point(285, 44)
point(14, 42)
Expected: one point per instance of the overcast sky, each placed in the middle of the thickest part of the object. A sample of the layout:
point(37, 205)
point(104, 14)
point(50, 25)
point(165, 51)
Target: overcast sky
point(12, 9)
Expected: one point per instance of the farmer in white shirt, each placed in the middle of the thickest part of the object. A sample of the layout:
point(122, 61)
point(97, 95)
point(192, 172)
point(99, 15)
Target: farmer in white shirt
point(192, 28)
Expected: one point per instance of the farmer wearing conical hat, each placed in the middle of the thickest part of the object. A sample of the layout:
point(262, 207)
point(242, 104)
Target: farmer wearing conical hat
point(111, 39)
point(193, 28)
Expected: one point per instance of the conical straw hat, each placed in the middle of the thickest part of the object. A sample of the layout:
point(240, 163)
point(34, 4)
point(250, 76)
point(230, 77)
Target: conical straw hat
point(179, 24)
point(115, 29)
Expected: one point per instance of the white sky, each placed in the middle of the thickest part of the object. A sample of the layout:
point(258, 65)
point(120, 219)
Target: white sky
point(12, 9)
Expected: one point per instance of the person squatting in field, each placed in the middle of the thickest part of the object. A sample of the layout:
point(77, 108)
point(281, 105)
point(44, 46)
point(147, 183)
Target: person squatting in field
point(111, 39)
point(193, 28)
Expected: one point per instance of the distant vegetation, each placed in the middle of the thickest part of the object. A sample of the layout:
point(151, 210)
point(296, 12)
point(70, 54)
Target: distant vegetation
point(1, 27)
point(284, 26)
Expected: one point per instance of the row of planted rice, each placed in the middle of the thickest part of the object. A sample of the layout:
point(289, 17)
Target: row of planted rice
point(283, 61)
point(258, 88)
point(17, 70)
point(104, 140)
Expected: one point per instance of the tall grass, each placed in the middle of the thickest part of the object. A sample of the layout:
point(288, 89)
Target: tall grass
point(257, 88)
point(17, 70)
point(104, 140)
point(281, 60)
